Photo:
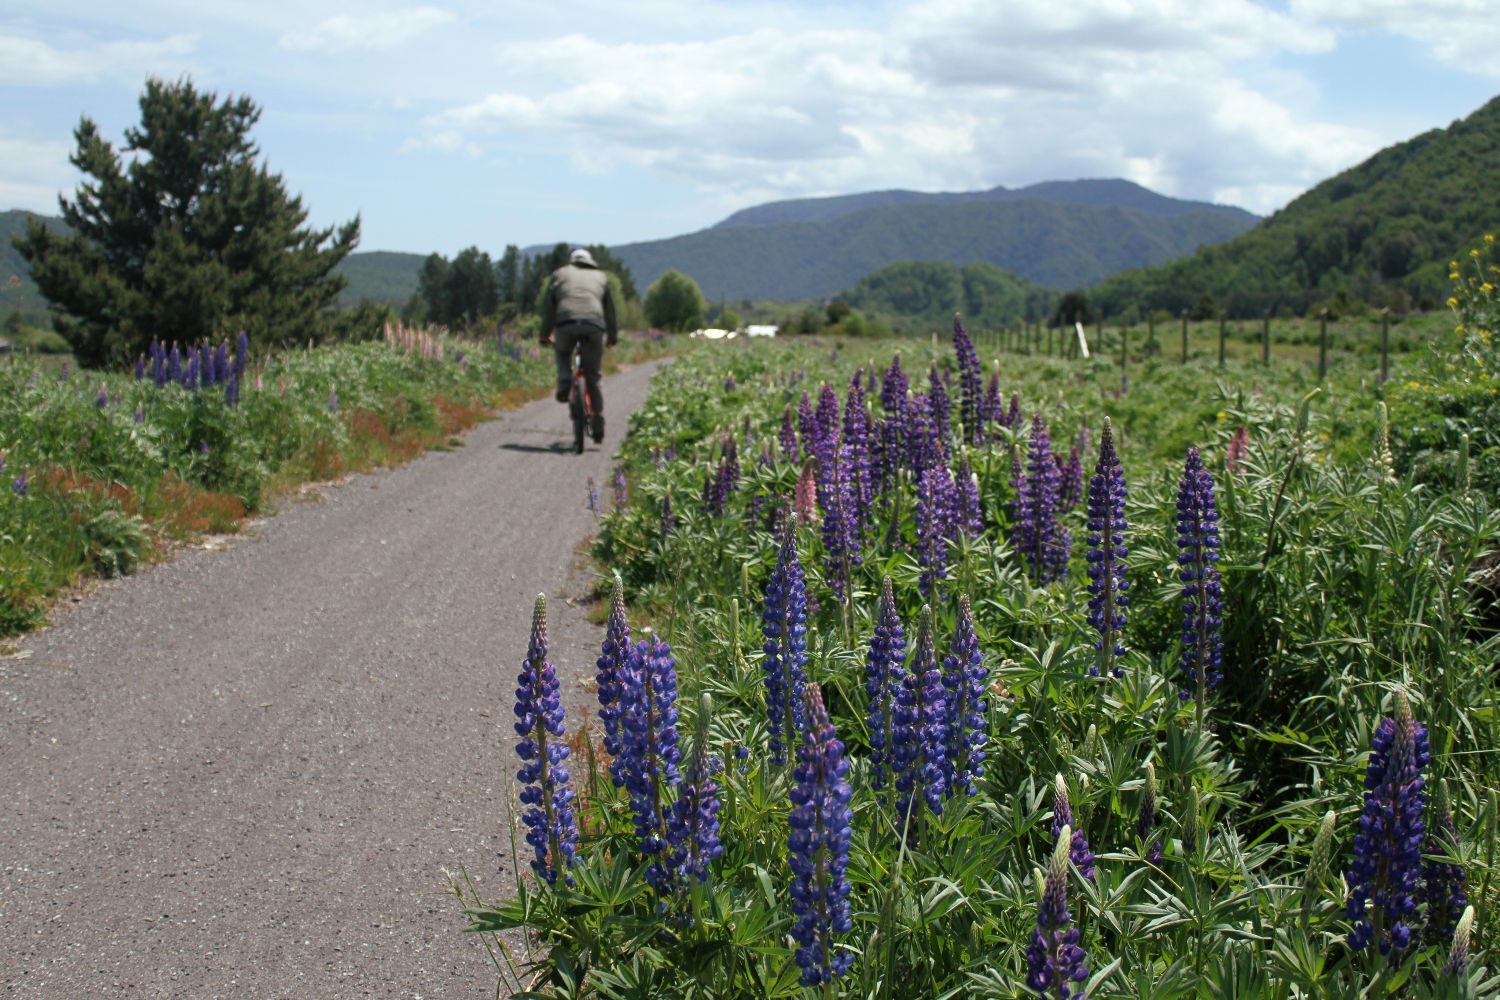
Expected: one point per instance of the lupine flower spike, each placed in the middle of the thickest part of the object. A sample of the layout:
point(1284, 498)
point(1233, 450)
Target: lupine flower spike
point(1063, 819)
point(818, 847)
point(885, 676)
point(965, 684)
point(1037, 533)
point(1458, 955)
point(1145, 823)
point(694, 825)
point(919, 734)
point(1108, 588)
point(1054, 960)
point(613, 658)
point(1444, 883)
point(647, 765)
point(784, 624)
point(1388, 848)
point(1202, 596)
point(539, 722)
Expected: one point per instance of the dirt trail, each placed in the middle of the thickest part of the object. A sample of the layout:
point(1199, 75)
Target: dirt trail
point(242, 772)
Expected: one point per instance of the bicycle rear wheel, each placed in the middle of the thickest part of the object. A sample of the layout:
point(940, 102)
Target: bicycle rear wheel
point(579, 412)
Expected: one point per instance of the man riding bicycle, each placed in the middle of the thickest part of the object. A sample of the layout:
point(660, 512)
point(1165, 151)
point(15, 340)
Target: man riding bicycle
point(579, 312)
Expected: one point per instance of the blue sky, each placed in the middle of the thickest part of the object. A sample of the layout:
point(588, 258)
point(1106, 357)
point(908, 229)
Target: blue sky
point(445, 124)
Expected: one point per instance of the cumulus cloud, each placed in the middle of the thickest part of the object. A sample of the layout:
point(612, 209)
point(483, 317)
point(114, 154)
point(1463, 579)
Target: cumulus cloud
point(945, 94)
point(1465, 34)
point(26, 61)
point(382, 30)
point(32, 172)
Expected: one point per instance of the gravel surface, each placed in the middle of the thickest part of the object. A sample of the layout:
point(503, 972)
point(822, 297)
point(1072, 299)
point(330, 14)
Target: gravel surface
point(243, 772)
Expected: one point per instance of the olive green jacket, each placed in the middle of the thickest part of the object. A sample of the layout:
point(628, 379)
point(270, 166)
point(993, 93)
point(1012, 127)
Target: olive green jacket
point(578, 292)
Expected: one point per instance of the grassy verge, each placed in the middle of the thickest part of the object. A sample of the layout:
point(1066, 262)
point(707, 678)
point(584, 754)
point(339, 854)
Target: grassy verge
point(100, 471)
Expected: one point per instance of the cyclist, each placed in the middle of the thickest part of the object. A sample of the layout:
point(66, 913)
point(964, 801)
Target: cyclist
point(579, 311)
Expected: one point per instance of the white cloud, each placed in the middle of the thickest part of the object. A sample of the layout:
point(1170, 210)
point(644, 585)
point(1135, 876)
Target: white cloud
point(383, 30)
point(33, 173)
point(1465, 34)
point(26, 61)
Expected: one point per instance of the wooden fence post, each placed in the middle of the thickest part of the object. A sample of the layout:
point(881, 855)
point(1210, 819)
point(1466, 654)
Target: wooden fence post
point(1222, 334)
point(1184, 336)
point(1265, 341)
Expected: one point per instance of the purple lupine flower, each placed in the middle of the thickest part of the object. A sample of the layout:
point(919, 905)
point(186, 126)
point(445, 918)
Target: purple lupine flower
point(729, 385)
point(102, 400)
point(1037, 533)
point(1388, 848)
point(931, 517)
point(807, 428)
point(922, 450)
point(1054, 961)
point(21, 485)
point(668, 522)
point(539, 722)
point(593, 498)
point(818, 847)
point(1062, 818)
point(919, 730)
point(62, 373)
point(333, 399)
point(241, 355)
point(965, 684)
point(784, 624)
point(1202, 596)
point(190, 376)
point(840, 520)
point(992, 409)
point(893, 393)
point(788, 436)
point(827, 421)
point(731, 462)
point(1070, 483)
point(968, 510)
point(693, 827)
point(885, 674)
point(621, 490)
point(221, 363)
point(1107, 556)
point(205, 365)
point(970, 382)
point(613, 654)
point(857, 439)
point(647, 765)
point(1013, 415)
point(203, 448)
point(140, 368)
point(941, 411)
point(1145, 821)
point(1443, 883)
point(232, 390)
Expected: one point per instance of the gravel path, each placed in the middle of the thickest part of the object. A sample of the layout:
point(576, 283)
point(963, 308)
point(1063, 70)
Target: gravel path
point(241, 773)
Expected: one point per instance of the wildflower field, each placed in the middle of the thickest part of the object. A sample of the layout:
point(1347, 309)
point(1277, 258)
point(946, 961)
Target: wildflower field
point(102, 471)
point(927, 675)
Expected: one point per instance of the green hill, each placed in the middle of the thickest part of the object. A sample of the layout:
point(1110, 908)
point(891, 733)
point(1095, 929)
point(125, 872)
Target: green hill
point(1380, 233)
point(381, 276)
point(1054, 243)
point(17, 290)
point(919, 295)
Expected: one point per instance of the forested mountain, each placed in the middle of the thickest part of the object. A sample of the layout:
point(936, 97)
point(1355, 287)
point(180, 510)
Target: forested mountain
point(914, 295)
point(1381, 233)
point(1053, 243)
point(17, 290)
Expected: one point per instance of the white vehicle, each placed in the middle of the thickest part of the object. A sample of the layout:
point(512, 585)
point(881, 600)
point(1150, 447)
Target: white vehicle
point(760, 330)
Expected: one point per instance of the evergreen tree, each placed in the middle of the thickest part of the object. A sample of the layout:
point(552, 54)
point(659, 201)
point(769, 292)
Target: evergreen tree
point(185, 237)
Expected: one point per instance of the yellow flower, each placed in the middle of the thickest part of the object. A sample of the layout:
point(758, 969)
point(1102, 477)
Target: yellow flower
point(1489, 237)
point(1474, 253)
point(1452, 302)
point(1452, 275)
point(1223, 416)
point(1487, 288)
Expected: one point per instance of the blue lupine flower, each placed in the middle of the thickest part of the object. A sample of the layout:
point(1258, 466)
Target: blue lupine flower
point(1145, 822)
point(174, 366)
point(1070, 482)
point(1108, 588)
point(857, 440)
point(893, 392)
point(102, 400)
point(241, 355)
point(1443, 883)
point(592, 500)
point(539, 722)
point(885, 675)
point(21, 485)
point(1202, 596)
point(968, 511)
point(941, 410)
point(784, 624)
point(668, 521)
point(1013, 414)
point(1037, 532)
point(191, 376)
point(232, 390)
point(970, 382)
point(648, 753)
point(931, 515)
point(221, 363)
point(621, 492)
point(919, 731)
point(140, 368)
point(818, 847)
point(807, 428)
point(965, 683)
point(788, 436)
point(827, 417)
point(1062, 818)
point(840, 520)
point(205, 366)
point(1388, 848)
point(1054, 960)
point(992, 410)
point(922, 448)
point(613, 654)
point(694, 824)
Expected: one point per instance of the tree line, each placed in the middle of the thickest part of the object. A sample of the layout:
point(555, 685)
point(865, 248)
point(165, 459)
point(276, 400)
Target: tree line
point(473, 288)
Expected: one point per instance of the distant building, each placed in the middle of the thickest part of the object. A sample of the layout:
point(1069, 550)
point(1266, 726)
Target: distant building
point(760, 330)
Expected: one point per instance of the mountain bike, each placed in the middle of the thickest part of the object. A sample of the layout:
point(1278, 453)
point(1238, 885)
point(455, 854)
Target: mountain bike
point(579, 407)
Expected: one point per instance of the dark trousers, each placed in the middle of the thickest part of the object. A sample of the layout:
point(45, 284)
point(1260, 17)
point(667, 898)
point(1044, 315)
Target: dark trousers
point(589, 340)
